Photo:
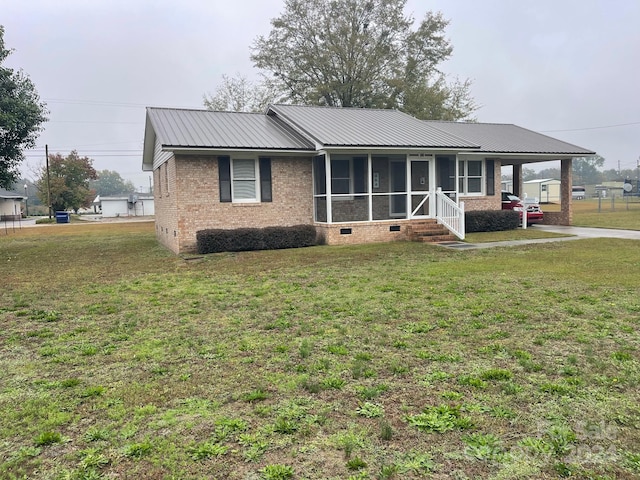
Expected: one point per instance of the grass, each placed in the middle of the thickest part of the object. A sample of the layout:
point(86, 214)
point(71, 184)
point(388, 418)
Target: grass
point(121, 360)
point(621, 213)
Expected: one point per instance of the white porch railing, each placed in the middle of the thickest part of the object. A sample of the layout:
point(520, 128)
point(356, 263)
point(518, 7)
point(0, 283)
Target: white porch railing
point(450, 214)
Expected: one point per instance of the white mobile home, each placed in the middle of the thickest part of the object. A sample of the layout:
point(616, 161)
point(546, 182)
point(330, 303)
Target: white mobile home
point(546, 190)
point(133, 205)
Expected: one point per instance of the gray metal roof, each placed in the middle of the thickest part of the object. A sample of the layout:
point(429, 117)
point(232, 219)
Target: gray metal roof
point(233, 130)
point(508, 138)
point(8, 194)
point(359, 127)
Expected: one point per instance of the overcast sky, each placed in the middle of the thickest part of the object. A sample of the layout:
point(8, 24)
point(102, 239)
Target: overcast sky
point(567, 68)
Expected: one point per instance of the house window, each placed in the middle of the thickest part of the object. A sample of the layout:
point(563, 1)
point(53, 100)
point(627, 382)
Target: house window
point(244, 184)
point(244, 180)
point(470, 177)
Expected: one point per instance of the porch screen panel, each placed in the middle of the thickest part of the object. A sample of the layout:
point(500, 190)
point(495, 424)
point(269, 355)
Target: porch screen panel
point(224, 176)
point(265, 179)
point(446, 178)
point(354, 209)
point(360, 175)
point(319, 175)
point(320, 188)
point(244, 179)
point(340, 176)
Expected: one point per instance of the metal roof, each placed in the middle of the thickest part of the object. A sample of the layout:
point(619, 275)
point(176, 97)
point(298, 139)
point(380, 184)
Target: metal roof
point(8, 194)
point(233, 130)
point(359, 127)
point(508, 138)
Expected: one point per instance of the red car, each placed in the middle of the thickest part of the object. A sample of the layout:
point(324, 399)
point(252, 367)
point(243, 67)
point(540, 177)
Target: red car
point(511, 202)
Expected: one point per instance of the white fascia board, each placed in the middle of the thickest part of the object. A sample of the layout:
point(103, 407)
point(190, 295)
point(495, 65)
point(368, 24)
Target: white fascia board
point(542, 157)
point(394, 150)
point(231, 151)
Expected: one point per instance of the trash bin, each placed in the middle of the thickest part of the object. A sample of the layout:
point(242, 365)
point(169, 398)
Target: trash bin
point(62, 217)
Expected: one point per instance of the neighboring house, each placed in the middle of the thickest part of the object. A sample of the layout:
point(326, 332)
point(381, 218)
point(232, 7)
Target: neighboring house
point(129, 205)
point(613, 189)
point(10, 205)
point(546, 190)
point(358, 175)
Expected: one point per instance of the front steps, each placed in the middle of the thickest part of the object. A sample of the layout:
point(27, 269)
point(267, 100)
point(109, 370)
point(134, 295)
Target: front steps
point(429, 231)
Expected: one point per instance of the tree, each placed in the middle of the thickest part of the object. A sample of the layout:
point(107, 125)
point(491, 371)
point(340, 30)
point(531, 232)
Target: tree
point(69, 182)
point(586, 170)
point(110, 182)
point(21, 116)
point(362, 53)
point(238, 94)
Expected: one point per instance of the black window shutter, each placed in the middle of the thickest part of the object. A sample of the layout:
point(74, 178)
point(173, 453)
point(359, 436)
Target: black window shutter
point(224, 174)
point(491, 177)
point(265, 179)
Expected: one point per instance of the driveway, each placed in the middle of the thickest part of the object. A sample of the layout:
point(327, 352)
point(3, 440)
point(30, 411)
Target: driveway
point(576, 232)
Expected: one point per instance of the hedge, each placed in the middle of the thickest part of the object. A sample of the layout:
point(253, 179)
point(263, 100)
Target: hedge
point(246, 239)
point(491, 220)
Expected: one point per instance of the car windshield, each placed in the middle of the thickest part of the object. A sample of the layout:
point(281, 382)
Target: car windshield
point(512, 198)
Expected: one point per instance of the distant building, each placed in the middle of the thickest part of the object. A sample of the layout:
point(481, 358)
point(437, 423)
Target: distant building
point(545, 190)
point(127, 205)
point(10, 205)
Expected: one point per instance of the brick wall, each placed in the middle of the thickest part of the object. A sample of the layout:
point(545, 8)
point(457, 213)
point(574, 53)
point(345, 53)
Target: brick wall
point(166, 205)
point(369, 232)
point(191, 200)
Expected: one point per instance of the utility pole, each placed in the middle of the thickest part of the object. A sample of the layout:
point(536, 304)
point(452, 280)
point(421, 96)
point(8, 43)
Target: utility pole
point(46, 152)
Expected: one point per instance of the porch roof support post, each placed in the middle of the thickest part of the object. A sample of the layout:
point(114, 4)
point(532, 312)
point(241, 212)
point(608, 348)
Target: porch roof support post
point(517, 180)
point(566, 183)
point(327, 168)
point(407, 188)
point(370, 185)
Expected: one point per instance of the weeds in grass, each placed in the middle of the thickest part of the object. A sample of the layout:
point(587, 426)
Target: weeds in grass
point(277, 472)
point(138, 449)
point(386, 431)
point(440, 419)
point(632, 460)
point(496, 374)
point(95, 434)
point(206, 450)
point(255, 396)
point(48, 438)
point(148, 362)
point(416, 463)
point(484, 446)
point(388, 471)
point(370, 410)
point(371, 392)
point(349, 441)
point(92, 458)
point(333, 382)
point(356, 463)
point(472, 381)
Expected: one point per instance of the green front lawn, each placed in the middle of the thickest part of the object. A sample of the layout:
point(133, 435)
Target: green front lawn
point(120, 360)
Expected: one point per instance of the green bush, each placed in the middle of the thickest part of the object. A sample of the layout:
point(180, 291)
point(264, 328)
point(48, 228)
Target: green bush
point(246, 239)
point(491, 220)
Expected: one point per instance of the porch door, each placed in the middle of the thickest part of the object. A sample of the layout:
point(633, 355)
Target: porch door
point(422, 180)
point(398, 184)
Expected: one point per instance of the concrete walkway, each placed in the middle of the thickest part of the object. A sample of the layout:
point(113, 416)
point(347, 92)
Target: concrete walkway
point(576, 232)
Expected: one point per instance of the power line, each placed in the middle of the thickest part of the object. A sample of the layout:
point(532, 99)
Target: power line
point(590, 128)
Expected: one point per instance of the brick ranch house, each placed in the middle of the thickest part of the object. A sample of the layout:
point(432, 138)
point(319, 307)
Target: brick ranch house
point(358, 175)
